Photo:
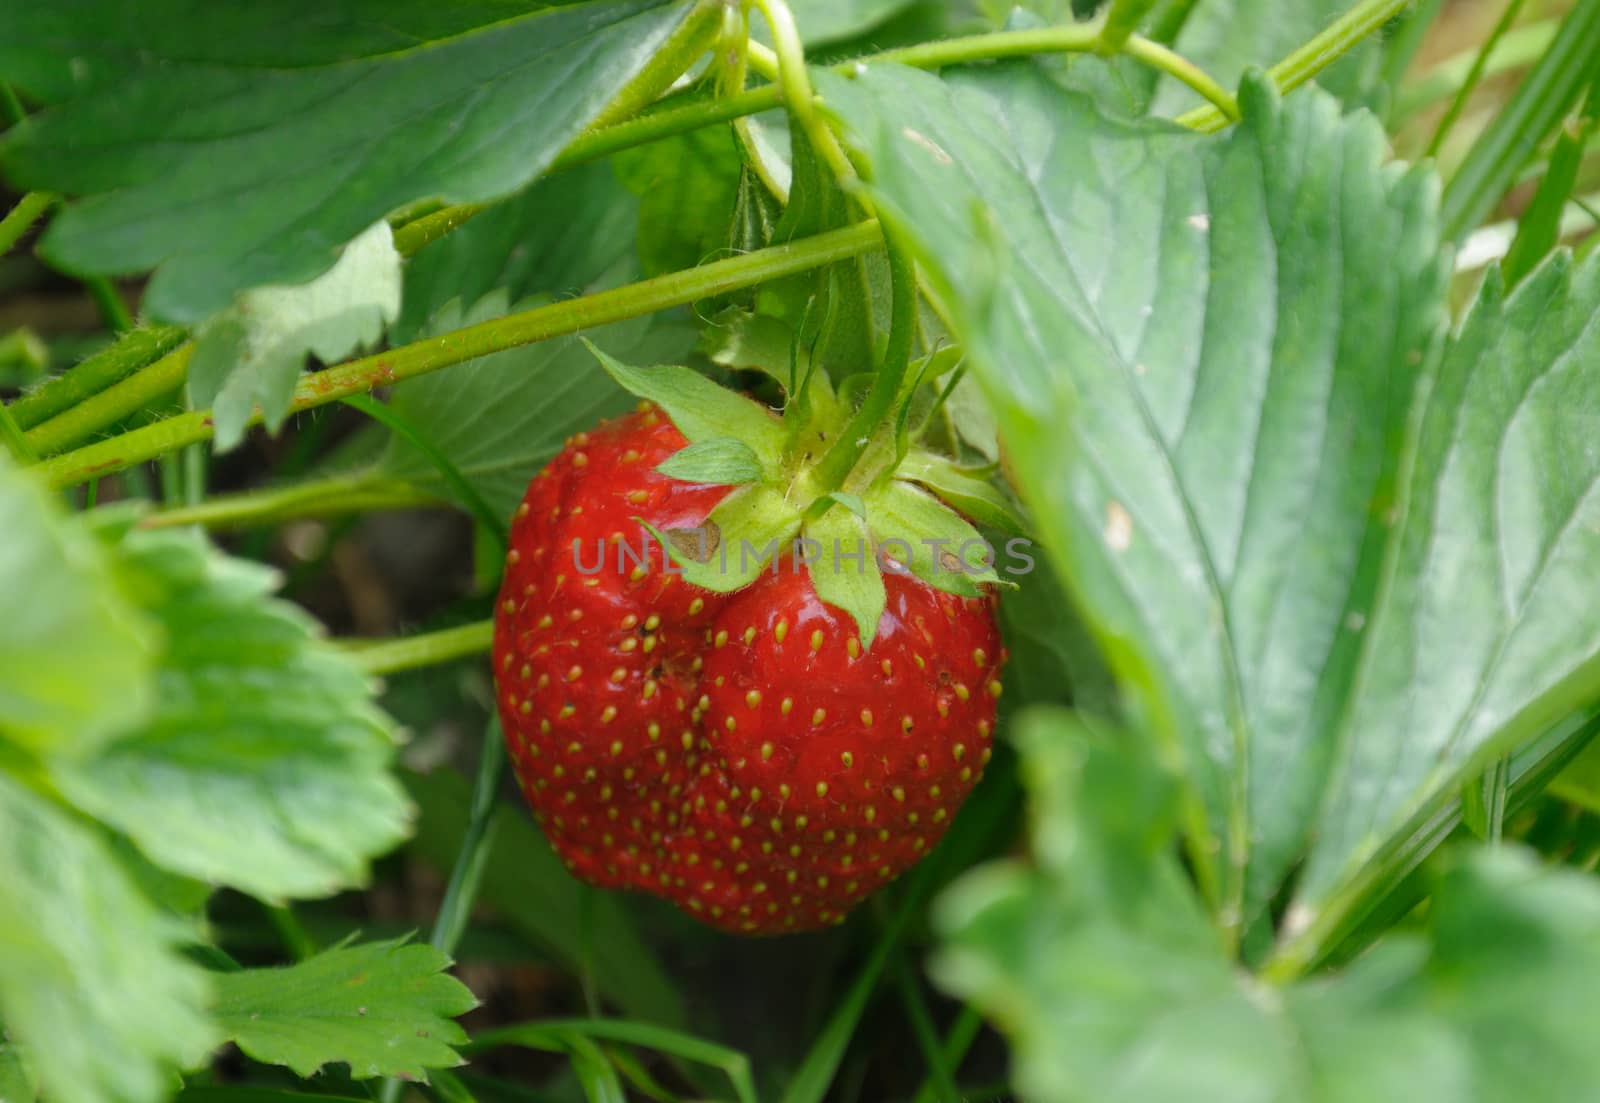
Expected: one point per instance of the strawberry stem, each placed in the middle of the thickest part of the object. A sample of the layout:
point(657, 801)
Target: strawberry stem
point(835, 467)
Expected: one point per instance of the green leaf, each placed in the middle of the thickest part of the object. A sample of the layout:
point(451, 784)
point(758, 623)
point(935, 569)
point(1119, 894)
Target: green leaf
point(698, 407)
point(928, 538)
point(741, 340)
point(721, 461)
point(253, 351)
point(501, 417)
point(1201, 356)
point(686, 187)
point(383, 1008)
point(412, 99)
point(844, 569)
point(90, 981)
point(518, 248)
point(1474, 648)
point(264, 764)
point(973, 495)
point(17, 1081)
point(1103, 969)
point(75, 657)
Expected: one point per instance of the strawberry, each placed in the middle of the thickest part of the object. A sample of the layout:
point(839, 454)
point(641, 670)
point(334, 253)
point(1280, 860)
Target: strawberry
point(743, 754)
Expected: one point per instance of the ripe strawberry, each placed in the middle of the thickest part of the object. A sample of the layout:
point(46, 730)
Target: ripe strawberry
point(742, 754)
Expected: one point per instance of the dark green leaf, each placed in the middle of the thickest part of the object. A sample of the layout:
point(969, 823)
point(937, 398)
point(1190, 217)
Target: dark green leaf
point(264, 764)
point(499, 418)
point(75, 657)
point(1201, 355)
point(383, 1008)
point(252, 352)
point(721, 461)
point(289, 145)
point(686, 187)
point(90, 981)
point(563, 235)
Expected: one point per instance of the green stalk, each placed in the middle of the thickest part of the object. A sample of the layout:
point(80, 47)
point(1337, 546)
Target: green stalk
point(133, 351)
point(1517, 50)
point(1480, 62)
point(114, 403)
point(467, 872)
point(551, 320)
point(680, 51)
point(426, 649)
point(1338, 39)
point(1173, 64)
point(273, 505)
point(29, 209)
point(834, 467)
point(1122, 20)
point(1535, 109)
point(113, 311)
point(956, 1044)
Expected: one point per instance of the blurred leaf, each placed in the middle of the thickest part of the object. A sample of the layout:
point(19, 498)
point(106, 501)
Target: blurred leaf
point(1201, 356)
point(383, 1008)
point(499, 418)
point(561, 235)
point(17, 1082)
point(831, 20)
point(1103, 969)
point(287, 146)
point(253, 351)
point(265, 763)
point(75, 657)
point(90, 982)
point(686, 187)
point(527, 885)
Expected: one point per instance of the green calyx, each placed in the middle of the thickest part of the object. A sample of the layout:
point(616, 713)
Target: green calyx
point(889, 515)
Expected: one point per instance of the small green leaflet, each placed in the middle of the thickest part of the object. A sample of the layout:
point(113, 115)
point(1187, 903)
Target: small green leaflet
point(75, 657)
point(721, 461)
point(844, 569)
point(746, 531)
point(253, 351)
point(412, 99)
point(383, 1008)
point(698, 407)
point(91, 982)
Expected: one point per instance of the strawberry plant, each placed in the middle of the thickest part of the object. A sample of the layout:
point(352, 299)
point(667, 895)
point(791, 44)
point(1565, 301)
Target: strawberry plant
point(1036, 550)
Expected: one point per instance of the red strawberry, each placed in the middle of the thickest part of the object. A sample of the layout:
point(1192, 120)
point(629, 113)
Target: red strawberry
point(739, 754)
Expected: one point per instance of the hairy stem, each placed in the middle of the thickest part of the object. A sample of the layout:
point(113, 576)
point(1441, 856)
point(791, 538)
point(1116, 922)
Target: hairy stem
point(114, 403)
point(110, 365)
point(551, 320)
point(835, 466)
